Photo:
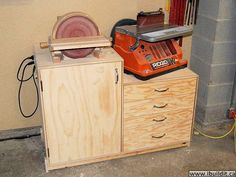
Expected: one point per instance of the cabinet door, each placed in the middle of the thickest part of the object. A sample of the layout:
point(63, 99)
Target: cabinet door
point(82, 111)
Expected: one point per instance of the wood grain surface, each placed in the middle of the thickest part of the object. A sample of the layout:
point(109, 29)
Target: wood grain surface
point(82, 109)
point(114, 156)
point(78, 42)
point(146, 107)
point(44, 61)
point(144, 132)
point(129, 79)
point(161, 89)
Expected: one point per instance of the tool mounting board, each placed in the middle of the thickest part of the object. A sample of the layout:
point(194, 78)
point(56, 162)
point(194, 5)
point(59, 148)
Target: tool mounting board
point(78, 42)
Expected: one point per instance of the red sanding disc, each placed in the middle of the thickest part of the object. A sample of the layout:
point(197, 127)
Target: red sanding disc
point(75, 25)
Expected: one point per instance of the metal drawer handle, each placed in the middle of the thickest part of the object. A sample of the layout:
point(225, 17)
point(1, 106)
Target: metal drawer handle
point(158, 137)
point(161, 90)
point(155, 106)
point(161, 120)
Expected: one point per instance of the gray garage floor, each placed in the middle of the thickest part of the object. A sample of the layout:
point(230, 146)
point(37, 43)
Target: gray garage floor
point(24, 158)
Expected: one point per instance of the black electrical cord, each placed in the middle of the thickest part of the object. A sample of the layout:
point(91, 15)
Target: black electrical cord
point(31, 61)
point(27, 62)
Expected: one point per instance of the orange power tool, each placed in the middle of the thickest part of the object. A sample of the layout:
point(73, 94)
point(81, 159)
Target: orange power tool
point(150, 51)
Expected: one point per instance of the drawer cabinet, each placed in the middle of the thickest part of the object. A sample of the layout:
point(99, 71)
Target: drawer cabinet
point(159, 112)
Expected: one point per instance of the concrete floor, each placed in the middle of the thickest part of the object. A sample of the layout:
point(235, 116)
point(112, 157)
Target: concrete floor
point(25, 158)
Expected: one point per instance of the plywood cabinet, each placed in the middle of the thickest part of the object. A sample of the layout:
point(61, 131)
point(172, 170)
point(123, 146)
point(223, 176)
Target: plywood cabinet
point(81, 105)
point(92, 112)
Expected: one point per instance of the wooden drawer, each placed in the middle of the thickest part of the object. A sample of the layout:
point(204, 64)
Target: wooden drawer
point(162, 89)
point(159, 105)
point(157, 130)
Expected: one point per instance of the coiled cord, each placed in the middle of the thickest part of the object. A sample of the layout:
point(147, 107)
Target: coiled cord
point(20, 77)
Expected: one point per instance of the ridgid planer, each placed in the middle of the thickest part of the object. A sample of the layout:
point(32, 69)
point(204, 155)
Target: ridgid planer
point(151, 50)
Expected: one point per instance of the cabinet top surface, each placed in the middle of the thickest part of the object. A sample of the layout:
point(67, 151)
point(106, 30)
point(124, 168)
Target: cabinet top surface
point(179, 74)
point(44, 60)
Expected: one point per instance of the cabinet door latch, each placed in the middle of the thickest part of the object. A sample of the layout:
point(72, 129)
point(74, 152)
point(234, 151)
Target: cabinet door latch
point(48, 152)
point(117, 75)
point(41, 85)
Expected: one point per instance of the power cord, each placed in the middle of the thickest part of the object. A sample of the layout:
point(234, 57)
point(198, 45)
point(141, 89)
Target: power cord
point(233, 128)
point(217, 137)
point(20, 77)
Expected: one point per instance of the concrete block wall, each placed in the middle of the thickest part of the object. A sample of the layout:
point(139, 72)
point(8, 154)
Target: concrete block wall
point(214, 58)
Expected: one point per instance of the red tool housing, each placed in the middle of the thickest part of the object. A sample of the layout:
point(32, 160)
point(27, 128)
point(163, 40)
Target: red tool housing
point(149, 58)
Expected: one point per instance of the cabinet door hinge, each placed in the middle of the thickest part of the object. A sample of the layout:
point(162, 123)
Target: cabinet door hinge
point(117, 75)
point(41, 85)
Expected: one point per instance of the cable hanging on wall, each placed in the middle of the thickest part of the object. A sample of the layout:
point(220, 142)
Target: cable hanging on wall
point(21, 78)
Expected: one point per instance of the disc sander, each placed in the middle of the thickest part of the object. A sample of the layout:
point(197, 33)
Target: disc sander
point(75, 24)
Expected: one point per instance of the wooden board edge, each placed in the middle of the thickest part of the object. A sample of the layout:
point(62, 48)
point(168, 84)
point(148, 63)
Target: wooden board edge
point(161, 80)
point(194, 107)
point(44, 129)
point(78, 42)
point(114, 156)
point(100, 61)
point(47, 168)
point(122, 105)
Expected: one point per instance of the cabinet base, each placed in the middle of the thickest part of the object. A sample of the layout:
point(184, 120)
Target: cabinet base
point(49, 166)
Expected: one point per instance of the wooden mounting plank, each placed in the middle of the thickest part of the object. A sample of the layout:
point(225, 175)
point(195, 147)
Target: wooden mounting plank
point(78, 42)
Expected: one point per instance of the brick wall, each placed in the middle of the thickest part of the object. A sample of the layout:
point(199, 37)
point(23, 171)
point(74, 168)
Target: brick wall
point(214, 58)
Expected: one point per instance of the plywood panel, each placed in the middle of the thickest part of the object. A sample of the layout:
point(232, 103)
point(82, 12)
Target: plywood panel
point(79, 122)
point(183, 100)
point(79, 42)
point(179, 74)
point(43, 59)
point(161, 89)
point(120, 155)
point(143, 132)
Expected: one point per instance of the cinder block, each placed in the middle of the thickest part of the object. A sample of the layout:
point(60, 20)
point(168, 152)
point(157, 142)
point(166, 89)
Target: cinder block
point(225, 30)
point(211, 115)
point(210, 95)
point(219, 94)
point(200, 112)
point(209, 8)
point(224, 52)
point(202, 48)
point(214, 73)
point(216, 113)
point(202, 92)
point(227, 9)
point(205, 27)
point(222, 73)
point(200, 67)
